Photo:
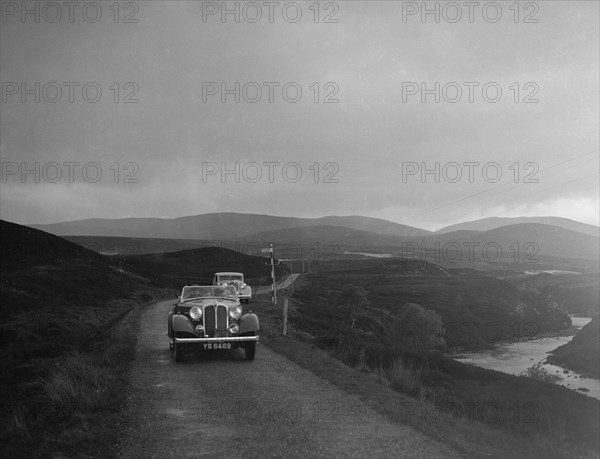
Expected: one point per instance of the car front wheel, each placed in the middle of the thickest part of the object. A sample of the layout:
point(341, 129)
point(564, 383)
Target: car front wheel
point(250, 349)
point(178, 350)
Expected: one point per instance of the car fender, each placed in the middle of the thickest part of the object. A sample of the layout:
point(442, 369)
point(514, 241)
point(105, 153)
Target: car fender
point(181, 323)
point(170, 322)
point(249, 323)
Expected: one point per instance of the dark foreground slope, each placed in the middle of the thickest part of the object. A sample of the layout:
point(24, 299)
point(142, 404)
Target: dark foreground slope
point(582, 353)
point(59, 375)
point(40, 272)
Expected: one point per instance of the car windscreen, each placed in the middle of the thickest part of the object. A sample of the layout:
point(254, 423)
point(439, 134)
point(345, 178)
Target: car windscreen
point(230, 278)
point(196, 291)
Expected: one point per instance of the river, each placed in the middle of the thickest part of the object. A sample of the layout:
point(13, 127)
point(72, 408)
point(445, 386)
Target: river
point(515, 358)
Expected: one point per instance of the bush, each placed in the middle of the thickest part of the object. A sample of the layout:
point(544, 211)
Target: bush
point(418, 329)
point(405, 379)
point(541, 374)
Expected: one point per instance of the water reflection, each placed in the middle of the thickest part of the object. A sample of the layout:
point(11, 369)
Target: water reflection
point(515, 358)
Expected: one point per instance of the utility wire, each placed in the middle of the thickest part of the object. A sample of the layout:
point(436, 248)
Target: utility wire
point(501, 186)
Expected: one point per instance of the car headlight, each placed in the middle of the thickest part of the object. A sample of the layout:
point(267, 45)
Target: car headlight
point(234, 328)
point(235, 312)
point(243, 285)
point(196, 313)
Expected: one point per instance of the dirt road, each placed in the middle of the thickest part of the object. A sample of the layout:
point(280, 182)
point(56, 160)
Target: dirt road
point(220, 405)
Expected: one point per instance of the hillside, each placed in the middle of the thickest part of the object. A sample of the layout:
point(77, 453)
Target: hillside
point(22, 246)
point(531, 245)
point(524, 243)
point(511, 249)
point(186, 267)
point(577, 294)
point(338, 238)
point(550, 240)
point(60, 302)
point(121, 246)
point(582, 353)
point(477, 310)
point(39, 270)
point(486, 224)
point(217, 226)
point(73, 291)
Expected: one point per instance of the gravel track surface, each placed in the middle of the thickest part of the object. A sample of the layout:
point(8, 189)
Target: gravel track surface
point(220, 405)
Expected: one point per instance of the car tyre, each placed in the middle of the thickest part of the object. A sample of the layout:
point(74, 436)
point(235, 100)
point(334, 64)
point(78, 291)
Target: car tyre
point(250, 349)
point(178, 348)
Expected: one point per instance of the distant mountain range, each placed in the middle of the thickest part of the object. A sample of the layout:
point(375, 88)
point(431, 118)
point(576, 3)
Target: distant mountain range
point(491, 223)
point(218, 226)
point(530, 239)
point(549, 236)
point(231, 225)
point(515, 242)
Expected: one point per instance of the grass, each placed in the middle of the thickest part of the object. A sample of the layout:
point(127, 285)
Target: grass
point(78, 385)
point(403, 378)
point(70, 324)
point(478, 412)
point(66, 402)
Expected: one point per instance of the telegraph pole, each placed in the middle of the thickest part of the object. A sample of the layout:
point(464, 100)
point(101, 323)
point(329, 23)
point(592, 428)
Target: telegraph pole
point(274, 286)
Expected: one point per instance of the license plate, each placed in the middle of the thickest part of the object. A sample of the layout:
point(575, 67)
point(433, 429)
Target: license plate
point(217, 345)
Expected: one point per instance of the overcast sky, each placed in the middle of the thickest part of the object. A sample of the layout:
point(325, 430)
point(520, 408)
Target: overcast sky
point(171, 146)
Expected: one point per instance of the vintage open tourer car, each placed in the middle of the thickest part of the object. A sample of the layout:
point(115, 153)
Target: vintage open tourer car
point(210, 317)
point(244, 291)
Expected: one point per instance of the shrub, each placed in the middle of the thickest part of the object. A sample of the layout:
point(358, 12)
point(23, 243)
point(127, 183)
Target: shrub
point(405, 379)
point(540, 373)
point(418, 329)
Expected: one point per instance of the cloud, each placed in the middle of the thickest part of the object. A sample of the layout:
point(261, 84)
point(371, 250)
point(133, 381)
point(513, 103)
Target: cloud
point(170, 134)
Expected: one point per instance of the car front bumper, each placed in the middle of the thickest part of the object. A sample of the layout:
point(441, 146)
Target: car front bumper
point(222, 339)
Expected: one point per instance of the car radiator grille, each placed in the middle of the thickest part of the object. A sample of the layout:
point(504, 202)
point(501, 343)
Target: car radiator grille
point(215, 320)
